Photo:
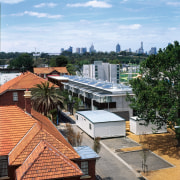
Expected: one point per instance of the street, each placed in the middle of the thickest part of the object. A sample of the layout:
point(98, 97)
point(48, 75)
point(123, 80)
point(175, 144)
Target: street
point(108, 167)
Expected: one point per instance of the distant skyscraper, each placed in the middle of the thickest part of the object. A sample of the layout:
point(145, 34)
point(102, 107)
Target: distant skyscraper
point(62, 50)
point(91, 49)
point(118, 48)
point(78, 50)
point(83, 50)
point(153, 51)
point(140, 50)
point(128, 50)
point(70, 49)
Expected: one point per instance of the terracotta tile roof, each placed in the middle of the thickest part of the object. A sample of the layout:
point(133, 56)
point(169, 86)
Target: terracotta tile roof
point(17, 150)
point(47, 125)
point(17, 159)
point(47, 70)
point(21, 137)
point(14, 124)
point(55, 164)
point(26, 80)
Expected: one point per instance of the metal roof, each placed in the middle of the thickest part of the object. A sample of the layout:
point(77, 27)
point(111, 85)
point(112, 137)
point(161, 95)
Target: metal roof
point(105, 86)
point(86, 152)
point(100, 116)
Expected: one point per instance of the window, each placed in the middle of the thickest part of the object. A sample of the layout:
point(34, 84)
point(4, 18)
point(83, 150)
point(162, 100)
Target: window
point(90, 126)
point(84, 167)
point(3, 166)
point(76, 117)
point(15, 96)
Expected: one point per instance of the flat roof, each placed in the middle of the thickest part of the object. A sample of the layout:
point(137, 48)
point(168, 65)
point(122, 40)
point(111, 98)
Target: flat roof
point(99, 85)
point(100, 116)
point(59, 77)
point(86, 152)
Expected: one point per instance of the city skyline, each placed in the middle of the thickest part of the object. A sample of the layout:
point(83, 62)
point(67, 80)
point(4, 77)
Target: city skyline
point(44, 26)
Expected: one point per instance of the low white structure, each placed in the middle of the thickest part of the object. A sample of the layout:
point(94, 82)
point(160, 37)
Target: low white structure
point(100, 123)
point(4, 77)
point(137, 127)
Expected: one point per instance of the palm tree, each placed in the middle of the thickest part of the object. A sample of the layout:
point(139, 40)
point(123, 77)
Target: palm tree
point(46, 98)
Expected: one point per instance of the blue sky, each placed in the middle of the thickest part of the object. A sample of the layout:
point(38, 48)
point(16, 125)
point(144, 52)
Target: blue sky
point(48, 26)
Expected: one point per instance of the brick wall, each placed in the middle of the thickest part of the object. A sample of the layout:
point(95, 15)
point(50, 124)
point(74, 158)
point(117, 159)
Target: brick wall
point(91, 167)
point(6, 99)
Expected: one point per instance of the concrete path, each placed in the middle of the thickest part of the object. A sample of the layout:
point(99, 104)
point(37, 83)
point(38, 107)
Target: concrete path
point(109, 166)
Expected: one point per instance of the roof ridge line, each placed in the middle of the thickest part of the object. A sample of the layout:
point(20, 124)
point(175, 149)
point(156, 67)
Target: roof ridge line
point(66, 159)
point(37, 155)
point(20, 78)
point(19, 143)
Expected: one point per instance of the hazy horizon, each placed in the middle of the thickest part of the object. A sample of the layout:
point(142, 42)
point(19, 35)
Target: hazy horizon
point(29, 25)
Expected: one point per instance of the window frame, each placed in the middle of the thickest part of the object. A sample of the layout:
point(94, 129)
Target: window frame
point(3, 166)
point(15, 96)
point(85, 167)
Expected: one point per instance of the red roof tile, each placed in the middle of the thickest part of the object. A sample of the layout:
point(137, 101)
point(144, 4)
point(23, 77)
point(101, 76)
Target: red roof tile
point(23, 143)
point(47, 125)
point(46, 162)
point(26, 80)
point(17, 159)
point(47, 70)
point(14, 124)
point(21, 137)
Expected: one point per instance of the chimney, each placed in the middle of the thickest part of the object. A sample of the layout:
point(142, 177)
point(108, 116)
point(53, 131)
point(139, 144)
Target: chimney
point(27, 95)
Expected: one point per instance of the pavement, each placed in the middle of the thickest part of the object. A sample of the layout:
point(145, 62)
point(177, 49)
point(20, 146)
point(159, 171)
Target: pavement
point(110, 166)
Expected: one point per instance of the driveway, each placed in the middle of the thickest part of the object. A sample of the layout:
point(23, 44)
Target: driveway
point(109, 166)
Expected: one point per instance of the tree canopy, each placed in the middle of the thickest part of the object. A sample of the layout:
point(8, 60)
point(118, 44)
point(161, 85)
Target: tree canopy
point(46, 98)
point(59, 61)
point(23, 62)
point(157, 92)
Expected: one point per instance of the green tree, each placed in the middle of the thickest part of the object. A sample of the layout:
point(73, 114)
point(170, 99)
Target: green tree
point(157, 92)
point(59, 61)
point(46, 98)
point(97, 145)
point(23, 62)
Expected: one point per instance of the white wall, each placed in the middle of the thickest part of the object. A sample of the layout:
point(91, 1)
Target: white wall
point(121, 105)
point(136, 128)
point(113, 73)
point(110, 129)
point(83, 123)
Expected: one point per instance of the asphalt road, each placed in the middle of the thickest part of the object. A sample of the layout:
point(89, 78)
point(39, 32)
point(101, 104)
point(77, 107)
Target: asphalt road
point(108, 167)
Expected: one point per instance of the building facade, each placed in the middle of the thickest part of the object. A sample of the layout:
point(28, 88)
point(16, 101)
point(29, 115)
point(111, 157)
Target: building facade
point(100, 95)
point(100, 123)
point(102, 71)
point(12, 92)
point(83, 50)
point(153, 51)
point(91, 49)
point(118, 48)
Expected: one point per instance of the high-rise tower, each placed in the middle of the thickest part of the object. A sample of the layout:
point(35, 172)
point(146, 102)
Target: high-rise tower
point(118, 48)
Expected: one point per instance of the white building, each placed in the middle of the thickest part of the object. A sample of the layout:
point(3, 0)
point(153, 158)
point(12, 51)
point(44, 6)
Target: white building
point(4, 77)
point(102, 71)
point(101, 123)
point(98, 95)
point(137, 127)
